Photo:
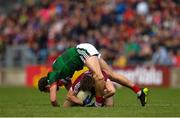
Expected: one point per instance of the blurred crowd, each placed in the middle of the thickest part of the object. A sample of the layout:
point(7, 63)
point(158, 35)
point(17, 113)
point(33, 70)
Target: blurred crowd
point(125, 31)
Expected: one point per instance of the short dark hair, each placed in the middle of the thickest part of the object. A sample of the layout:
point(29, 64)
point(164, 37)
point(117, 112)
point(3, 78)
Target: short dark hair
point(42, 84)
point(87, 83)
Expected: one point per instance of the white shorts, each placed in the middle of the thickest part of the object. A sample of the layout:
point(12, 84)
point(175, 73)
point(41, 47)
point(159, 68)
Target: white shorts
point(86, 50)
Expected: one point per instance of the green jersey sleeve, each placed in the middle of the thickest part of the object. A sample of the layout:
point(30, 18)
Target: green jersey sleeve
point(52, 77)
point(65, 66)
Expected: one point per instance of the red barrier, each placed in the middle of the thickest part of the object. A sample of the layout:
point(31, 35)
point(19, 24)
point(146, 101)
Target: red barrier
point(34, 73)
point(141, 75)
point(158, 76)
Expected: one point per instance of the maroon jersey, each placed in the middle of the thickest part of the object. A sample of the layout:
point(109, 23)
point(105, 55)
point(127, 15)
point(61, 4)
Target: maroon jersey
point(76, 85)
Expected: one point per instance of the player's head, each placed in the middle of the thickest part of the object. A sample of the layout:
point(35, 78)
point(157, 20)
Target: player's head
point(87, 83)
point(43, 84)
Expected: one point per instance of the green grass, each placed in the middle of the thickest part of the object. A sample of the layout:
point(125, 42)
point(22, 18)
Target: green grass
point(19, 101)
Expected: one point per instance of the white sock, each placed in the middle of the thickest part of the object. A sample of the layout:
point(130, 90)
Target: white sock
point(97, 104)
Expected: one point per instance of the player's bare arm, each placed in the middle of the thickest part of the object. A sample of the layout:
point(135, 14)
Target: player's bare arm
point(53, 94)
point(71, 96)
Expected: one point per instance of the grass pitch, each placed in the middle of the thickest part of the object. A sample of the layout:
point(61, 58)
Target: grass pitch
point(22, 102)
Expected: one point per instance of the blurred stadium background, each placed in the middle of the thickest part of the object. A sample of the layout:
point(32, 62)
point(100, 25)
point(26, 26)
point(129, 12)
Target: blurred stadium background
point(139, 38)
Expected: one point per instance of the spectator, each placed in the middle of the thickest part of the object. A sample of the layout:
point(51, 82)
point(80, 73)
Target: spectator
point(118, 27)
point(161, 56)
point(176, 59)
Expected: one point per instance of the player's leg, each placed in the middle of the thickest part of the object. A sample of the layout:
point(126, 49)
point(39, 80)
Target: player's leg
point(142, 94)
point(89, 54)
point(109, 102)
point(93, 64)
point(108, 93)
point(109, 89)
point(114, 76)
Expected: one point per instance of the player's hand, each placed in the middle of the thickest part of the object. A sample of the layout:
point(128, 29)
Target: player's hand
point(87, 100)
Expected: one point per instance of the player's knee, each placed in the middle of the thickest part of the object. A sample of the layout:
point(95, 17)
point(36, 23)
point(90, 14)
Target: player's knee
point(113, 91)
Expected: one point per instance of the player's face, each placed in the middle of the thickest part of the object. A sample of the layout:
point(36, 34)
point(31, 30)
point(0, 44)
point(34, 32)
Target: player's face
point(47, 89)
